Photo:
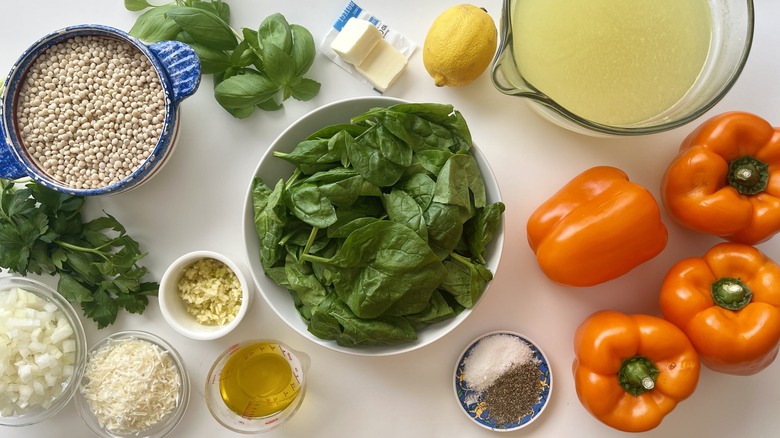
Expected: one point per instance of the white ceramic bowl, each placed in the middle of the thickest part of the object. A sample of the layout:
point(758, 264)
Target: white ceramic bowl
point(167, 423)
point(173, 307)
point(35, 414)
point(272, 169)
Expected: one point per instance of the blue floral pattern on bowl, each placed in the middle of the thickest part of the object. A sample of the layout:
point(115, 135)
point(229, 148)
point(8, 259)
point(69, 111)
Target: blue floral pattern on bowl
point(475, 408)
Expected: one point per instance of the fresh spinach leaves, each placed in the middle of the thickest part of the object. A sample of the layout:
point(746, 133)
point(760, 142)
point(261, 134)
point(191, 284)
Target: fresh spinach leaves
point(383, 227)
point(253, 69)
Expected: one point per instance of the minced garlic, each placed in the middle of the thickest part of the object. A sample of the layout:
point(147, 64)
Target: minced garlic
point(131, 385)
point(211, 291)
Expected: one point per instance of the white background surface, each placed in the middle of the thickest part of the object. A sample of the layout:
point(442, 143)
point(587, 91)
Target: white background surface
point(196, 203)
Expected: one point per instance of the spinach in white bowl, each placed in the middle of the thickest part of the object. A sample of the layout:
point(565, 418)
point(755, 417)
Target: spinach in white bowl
point(381, 228)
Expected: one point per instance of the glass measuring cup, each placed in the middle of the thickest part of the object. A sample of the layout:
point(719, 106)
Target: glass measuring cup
point(257, 385)
point(730, 41)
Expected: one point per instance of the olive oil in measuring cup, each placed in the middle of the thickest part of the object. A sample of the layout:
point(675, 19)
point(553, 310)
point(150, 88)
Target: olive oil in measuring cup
point(258, 380)
point(256, 385)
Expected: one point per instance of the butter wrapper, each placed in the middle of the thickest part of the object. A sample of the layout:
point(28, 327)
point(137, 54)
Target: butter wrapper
point(394, 38)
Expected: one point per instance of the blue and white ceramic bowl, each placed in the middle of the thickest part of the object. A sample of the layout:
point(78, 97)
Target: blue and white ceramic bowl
point(178, 68)
point(476, 409)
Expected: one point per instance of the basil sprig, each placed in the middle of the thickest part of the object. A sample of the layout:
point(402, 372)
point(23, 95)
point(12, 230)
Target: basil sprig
point(253, 68)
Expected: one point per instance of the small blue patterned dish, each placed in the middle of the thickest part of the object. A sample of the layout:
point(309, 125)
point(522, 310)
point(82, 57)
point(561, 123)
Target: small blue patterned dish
point(475, 407)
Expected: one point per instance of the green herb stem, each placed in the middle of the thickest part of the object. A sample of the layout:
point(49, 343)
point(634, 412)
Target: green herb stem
point(97, 250)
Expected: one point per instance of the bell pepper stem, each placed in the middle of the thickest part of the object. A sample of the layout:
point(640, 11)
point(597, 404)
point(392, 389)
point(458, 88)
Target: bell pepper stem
point(637, 375)
point(748, 175)
point(731, 293)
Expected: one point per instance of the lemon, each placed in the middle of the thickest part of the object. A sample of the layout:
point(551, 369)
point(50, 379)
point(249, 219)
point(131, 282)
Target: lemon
point(459, 45)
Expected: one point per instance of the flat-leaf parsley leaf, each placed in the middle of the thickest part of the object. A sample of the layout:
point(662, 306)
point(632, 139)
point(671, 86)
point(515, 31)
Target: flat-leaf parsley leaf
point(42, 232)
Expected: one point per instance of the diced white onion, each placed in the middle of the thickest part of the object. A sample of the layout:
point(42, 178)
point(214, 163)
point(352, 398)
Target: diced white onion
point(37, 351)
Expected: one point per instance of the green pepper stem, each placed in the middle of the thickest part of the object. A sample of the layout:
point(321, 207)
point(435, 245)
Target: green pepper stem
point(748, 175)
point(731, 293)
point(637, 375)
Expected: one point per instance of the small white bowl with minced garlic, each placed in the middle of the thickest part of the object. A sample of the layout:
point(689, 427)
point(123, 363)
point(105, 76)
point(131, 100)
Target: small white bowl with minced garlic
point(204, 295)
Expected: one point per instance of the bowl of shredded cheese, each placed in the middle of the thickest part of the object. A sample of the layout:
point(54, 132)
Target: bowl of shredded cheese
point(204, 295)
point(43, 351)
point(135, 384)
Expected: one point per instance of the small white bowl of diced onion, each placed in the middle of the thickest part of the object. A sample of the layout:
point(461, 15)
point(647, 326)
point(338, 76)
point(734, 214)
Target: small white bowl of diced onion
point(43, 352)
point(204, 295)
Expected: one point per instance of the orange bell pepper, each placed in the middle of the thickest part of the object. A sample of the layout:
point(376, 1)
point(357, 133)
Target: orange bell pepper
point(596, 228)
point(630, 371)
point(728, 304)
point(725, 179)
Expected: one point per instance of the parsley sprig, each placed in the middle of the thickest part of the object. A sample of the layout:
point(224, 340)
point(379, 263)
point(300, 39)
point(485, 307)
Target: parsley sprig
point(252, 68)
point(42, 232)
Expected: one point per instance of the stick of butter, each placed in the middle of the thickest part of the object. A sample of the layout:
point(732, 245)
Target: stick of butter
point(361, 44)
point(383, 65)
point(356, 40)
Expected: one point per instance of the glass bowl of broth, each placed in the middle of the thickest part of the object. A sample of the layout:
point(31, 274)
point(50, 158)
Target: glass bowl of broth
point(622, 67)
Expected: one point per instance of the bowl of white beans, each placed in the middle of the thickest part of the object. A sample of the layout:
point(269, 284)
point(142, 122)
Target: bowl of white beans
point(91, 110)
point(43, 354)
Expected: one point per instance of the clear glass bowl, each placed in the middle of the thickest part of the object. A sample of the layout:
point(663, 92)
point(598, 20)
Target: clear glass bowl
point(166, 424)
point(732, 37)
point(35, 414)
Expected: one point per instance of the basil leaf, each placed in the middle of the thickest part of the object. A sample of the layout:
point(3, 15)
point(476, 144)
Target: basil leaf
point(242, 55)
point(218, 7)
point(240, 113)
point(303, 49)
point(246, 90)
point(304, 89)
point(184, 37)
point(270, 105)
point(136, 5)
point(279, 65)
point(275, 30)
point(251, 38)
point(204, 27)
point(211, 61)
point(154, 25)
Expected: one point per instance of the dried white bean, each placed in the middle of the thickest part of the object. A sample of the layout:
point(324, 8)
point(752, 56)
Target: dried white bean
point(90, 111)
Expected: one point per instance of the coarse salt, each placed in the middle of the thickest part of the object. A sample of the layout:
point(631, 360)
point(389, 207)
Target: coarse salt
point(492, 357)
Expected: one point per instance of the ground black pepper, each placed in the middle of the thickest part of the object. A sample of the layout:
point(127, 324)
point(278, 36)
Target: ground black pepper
point(513, 394)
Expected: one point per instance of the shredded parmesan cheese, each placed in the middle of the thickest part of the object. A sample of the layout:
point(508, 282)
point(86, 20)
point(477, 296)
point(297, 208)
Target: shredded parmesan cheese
point(131, 385)
point(211, 292)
